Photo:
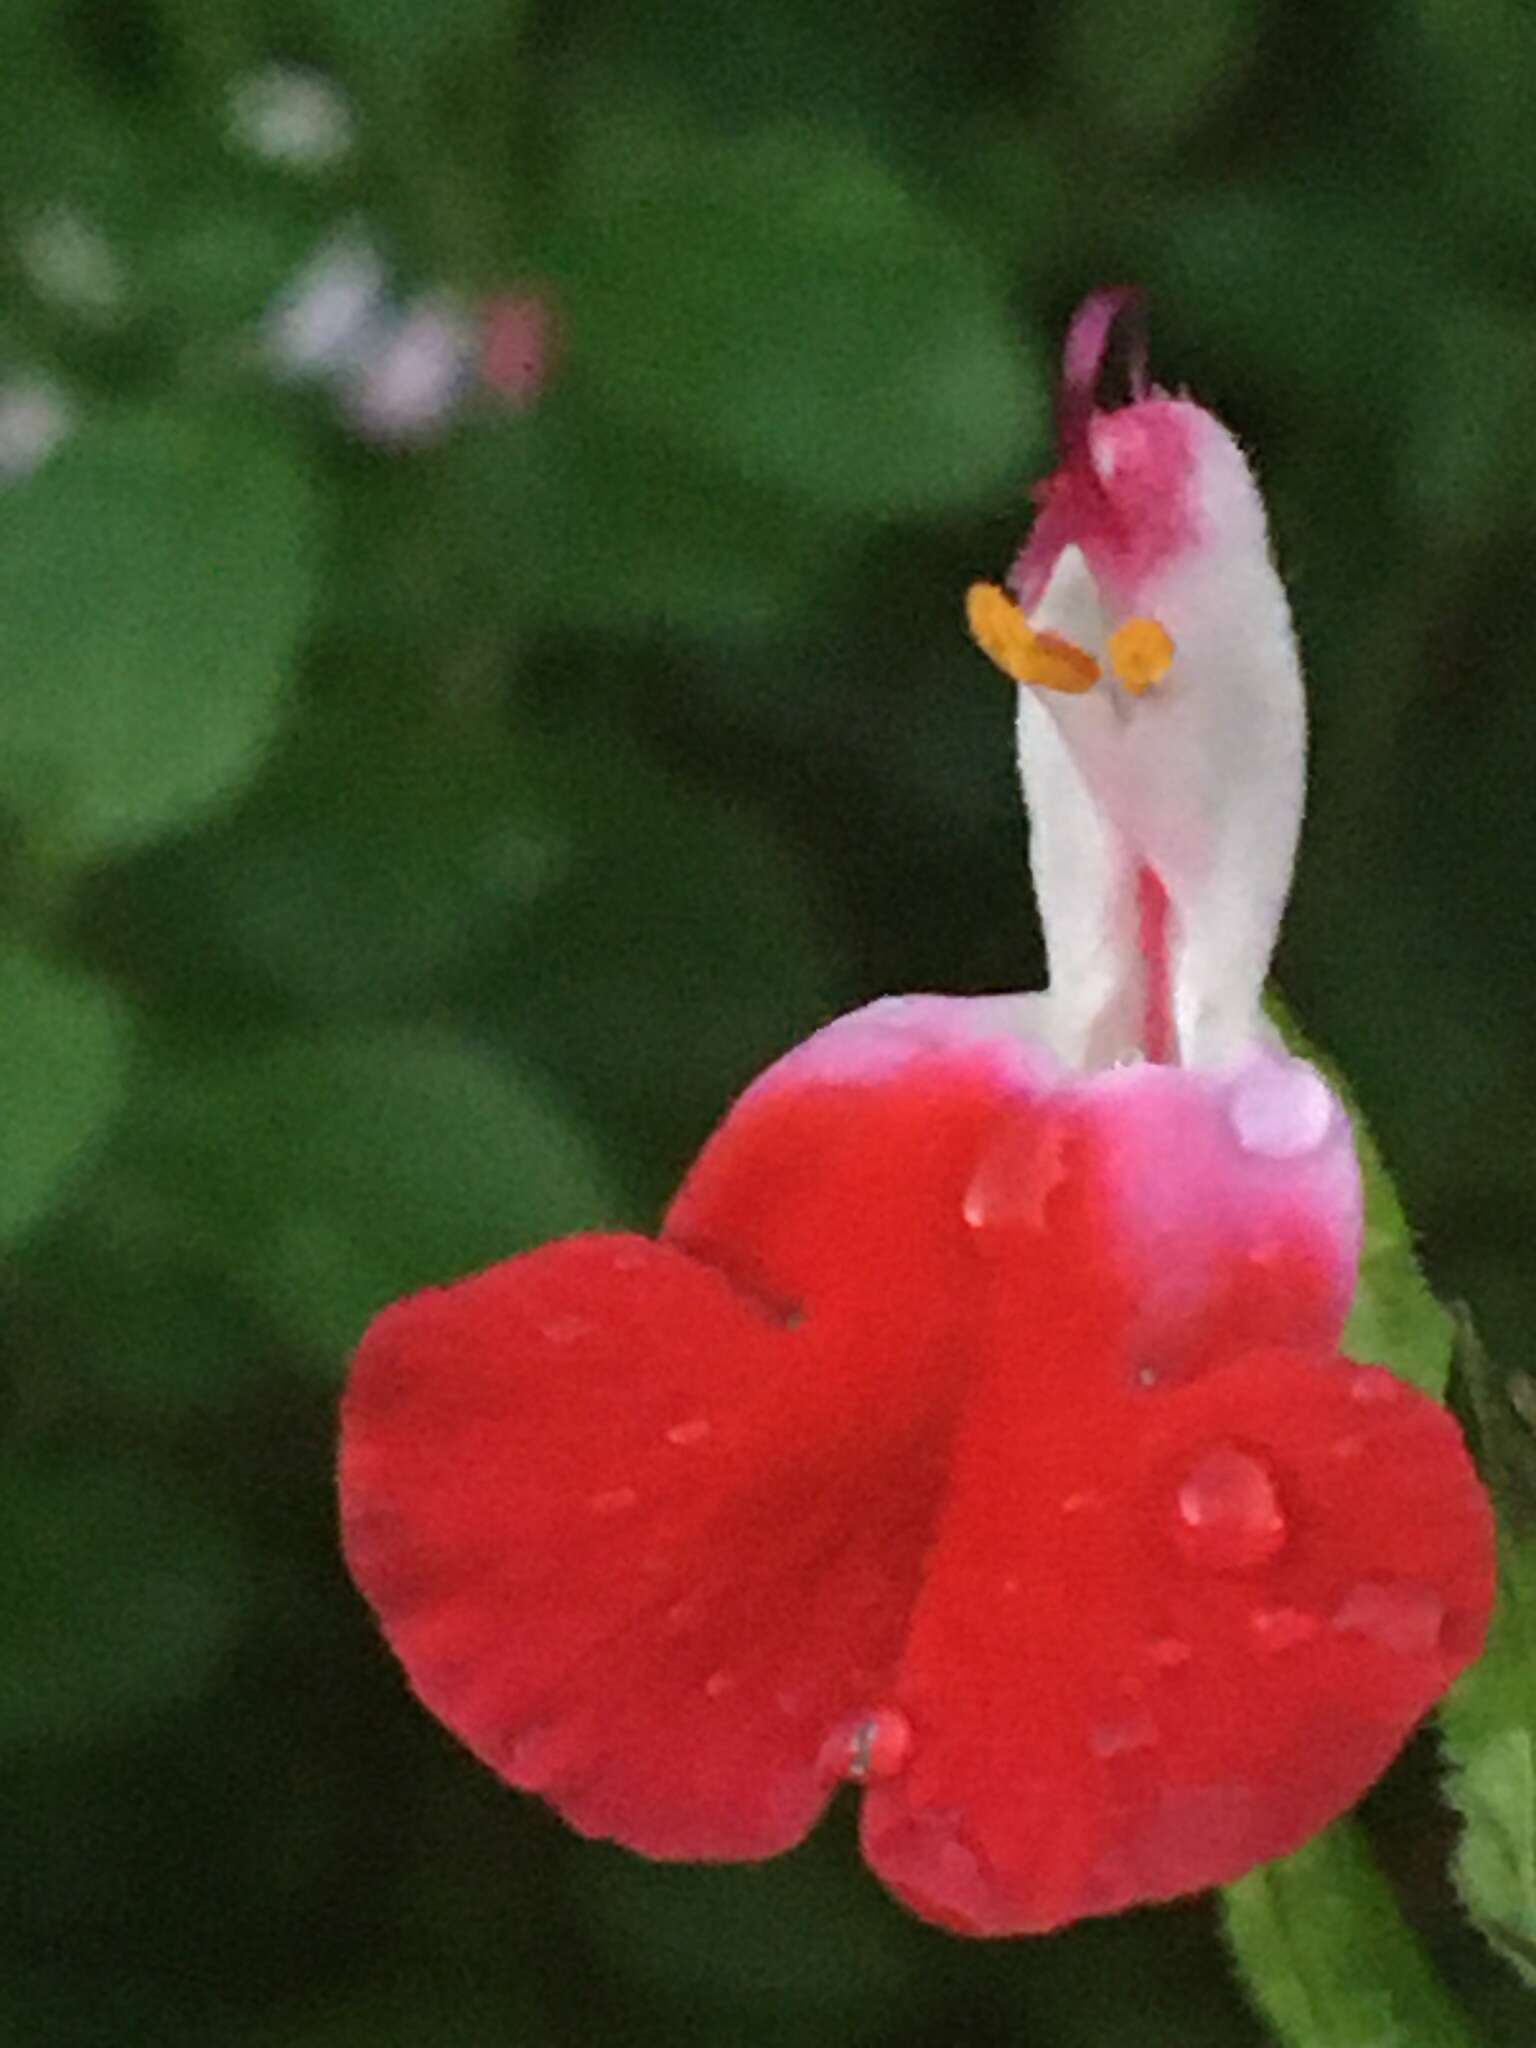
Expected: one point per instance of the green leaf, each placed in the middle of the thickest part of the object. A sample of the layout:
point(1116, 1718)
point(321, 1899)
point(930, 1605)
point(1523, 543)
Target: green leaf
point(329, 1174)
point(122, 1597)
point(1328, 1959)
point(412, 832)
point(787, 307)
point(1395, 1319)
point(62, 1064)
point(1489, 1720)
point(156, 579)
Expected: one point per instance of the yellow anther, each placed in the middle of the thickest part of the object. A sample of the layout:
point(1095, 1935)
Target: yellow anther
point(1005, 636)
point(1140, 653)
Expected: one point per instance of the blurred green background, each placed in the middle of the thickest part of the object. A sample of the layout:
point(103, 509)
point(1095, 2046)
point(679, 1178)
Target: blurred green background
point(452, 735)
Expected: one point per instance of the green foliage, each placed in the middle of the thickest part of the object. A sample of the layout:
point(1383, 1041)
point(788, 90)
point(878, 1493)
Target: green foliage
point(1490, 1719)
point(409, 846)
point(122, 1596)
point(154, 584)
point(1318, 1938)
point(1395, 1319)
point(834, 337)
point(62, 1074)
point(329, 1173)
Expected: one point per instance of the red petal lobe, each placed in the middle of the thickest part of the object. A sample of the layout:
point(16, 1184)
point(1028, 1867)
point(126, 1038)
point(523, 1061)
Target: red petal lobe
point(1177, 1639)
point(645, 1522)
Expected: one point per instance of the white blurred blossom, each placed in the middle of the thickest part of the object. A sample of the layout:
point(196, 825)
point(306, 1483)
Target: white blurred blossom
point(329, 317)
point(291, 116)
point(413, 381)
point(71, 263)
point(35, 416)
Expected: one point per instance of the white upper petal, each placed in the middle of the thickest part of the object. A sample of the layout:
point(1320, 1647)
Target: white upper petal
point(1201, 778)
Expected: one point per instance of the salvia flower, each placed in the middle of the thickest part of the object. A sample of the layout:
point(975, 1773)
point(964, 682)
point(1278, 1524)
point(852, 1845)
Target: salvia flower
point(975, 1428)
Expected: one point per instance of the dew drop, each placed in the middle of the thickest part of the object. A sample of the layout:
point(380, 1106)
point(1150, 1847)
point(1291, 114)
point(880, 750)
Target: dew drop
point(1399, 1615)
point(616, 1501)
point(1229, 1516)
point(1282, 1628)
point(1281, 1109)
point(531, 1759)
point(1123, 1736)
point(1372, 1386)
point(868, 1747)
point(1076, 1503)
point(567, 1329)
point(693, 1431)
point(1169, 1652)
point(1016, 1177)
point(718, 1684)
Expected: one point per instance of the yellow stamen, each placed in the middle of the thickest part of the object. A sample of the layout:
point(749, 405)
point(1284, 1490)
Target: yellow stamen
point(1006, 637)
point(1140, 653)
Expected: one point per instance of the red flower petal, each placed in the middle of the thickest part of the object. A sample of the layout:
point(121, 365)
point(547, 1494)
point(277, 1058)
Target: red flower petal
point(1169, 1221)
point(1176, 1637)
point(646, 1542)
point(881, 1464)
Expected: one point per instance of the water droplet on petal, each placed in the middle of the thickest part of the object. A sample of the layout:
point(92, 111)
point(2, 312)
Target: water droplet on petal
point(567, 1329)
point(1016, 1177)
point(1399, 1615)
point(1123, 1735)
point(718, 1684)
point(1169, 1652)
point(616, 1501)
point(871, 1746)
point(1282, 1628)
point(693, 1431)
point(1281, 1109)
point(1373, 1386)
point(1076, 1503)
point(1229, 1516)
point(532, 1758)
